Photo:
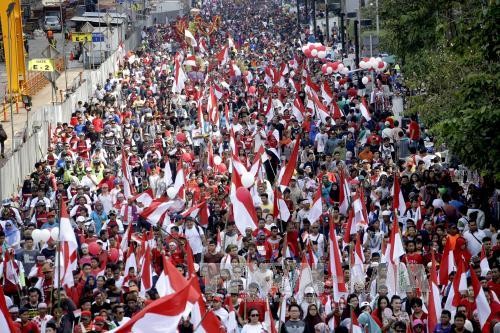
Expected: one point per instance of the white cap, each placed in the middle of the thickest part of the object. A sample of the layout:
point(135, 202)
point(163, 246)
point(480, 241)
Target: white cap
point(309, 290)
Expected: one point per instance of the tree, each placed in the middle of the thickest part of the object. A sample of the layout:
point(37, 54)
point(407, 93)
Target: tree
point(449, 52)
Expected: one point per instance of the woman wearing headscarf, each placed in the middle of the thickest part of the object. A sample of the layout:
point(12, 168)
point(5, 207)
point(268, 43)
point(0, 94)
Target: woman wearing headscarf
point(312, 318)
point(12, 234)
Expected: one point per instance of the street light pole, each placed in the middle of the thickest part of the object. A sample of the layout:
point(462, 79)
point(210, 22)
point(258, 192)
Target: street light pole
point(64, 49)
point(377, 19)
point(10, 9)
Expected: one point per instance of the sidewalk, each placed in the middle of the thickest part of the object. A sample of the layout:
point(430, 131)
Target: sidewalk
point(42, 98)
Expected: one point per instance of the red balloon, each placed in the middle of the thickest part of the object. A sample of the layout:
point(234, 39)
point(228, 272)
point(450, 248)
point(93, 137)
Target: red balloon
point(251, 90)
point(323, 68)
point(94, 248)
point(113, 255)
point(322, 48)
point(181, 137)
point(186, 157)
point(381, 64)
point(311, 47)
point(335, 66)
point(307, 53)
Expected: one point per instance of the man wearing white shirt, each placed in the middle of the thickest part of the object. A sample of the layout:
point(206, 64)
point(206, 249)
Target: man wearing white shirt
point(474, 238)
point(195, 236)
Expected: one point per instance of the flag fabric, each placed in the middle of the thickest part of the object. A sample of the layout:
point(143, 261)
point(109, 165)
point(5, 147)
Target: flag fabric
point(396, 244)
point(162, 315)
point(458, 285)
point(223, 56)
point(284, 178)
point(344, 193)
point(485, 266)
point(398, 201)
point(179, 77)
point(482, 304)
point(326, 92)
point(6, 323)
point(190, 38)
point(200, 210)
point(67, 259)
point(434, 304)
point(269, 320)
point(157, 212)
point(365, 112)
point(190, 61)
point(170, 280)
point(146, 272)
point(356, 327)
point(298, 110)
point(202, 46)
point(317, 208)
point(336, 271)
point(212, 107)
point(447, 265)
point(244, 210)
point(126, 177)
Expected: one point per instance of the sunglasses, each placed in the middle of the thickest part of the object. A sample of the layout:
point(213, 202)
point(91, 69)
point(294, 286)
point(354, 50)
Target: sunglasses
point(254, 315)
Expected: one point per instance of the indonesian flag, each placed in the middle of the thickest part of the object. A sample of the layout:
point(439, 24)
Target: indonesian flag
point(244, 210)
point(336, 271)
point(326, 92)
point(356, 328)
point(146, 197)
point(6, 323)
point(317, 208)
point(269, 110)
point(396, 249)
point(359, 257)
point(202, 45)
point(231, 323)
point(190, 38)
point(200, 209)
point(126, 238)
point(269, 320)
point(218, 91)
point(318, 106)
point(235, 70)
point(190, 61)
point(179, 77)
point(482, 305)
point(131, 261)
point(337, 113)
point(248, 77)
point(287, 172)
point(68, 248)
point(146, 272)
point(179, 181)
point(447, 263)
point(311, 87)
point(434, 304)
point(364, 110)
point(212, 109)
point(344, 193)
point(128, 190)
point(281, 210)
point(204, 320)
point(223, 56)
point(305, 279)
point(485, 266)
point(157, 212)
point(350, 228)
point(360, 219)
point(164, 314)
point(170, 280)
point(298, 109)
point(458, 285)
point(398, 201)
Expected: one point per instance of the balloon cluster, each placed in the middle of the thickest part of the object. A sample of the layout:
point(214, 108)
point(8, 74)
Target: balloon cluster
point(372, 63)
point(334, 67)
point(43, 235)
point(314, 50)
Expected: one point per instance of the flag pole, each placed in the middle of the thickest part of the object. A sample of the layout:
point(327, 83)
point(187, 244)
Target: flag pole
point(59, 255)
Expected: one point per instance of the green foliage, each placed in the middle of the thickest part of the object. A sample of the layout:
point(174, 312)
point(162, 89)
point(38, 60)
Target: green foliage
point(450, 53)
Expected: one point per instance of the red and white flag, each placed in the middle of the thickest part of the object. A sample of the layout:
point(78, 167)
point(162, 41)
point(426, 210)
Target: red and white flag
point(223, 56)
point(69, 249)
point(398, 201)
point(244, 210)
point(485, 266)
point(326, 92)
point(190, 60)
point(356, 327)
point(202, 45)
point(128, 188)
point(447, 264)
point(336, 271)
point(287, 172)
point(157, 212)
point(458, 285)
point(204, 320)
point(344, 193)
point(298, 110)
point(6, 322)
point(170, 280)
point(364, 110)
point(200, 210)
point(190, 38)
point(434, 304)
point(162, 315)
point(317, 208)
point(146, 272)
point(269, 320)
point(395, 246)
point(212, 107)
point(336, 112)
point(482, 304)
point(179, 77)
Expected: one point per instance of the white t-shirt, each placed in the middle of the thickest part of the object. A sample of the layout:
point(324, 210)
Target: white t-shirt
point(321, 139)
point(194, 238)
point(254, 328)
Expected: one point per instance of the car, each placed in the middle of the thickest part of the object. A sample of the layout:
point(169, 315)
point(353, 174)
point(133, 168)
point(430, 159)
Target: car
point(52, 23)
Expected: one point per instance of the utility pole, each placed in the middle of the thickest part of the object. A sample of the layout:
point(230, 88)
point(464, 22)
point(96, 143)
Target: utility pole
point(314, 17)
point(356, 44)
point(377, 20)
point(327, 23)
point(298, 14)
point(342, 26)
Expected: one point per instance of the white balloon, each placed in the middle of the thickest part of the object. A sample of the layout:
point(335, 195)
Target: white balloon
point(340, 67)
point(314, 52)
point(35, 234)
point(362, 64)
point(317, 44)
point(54, 233)
point(304, 48)
point(385, 66)
point(329, 70)
point(378, 59)
point(292, 73)
point(217, 160)
point(344, 71)
point(322, 54)
point(373, 63)
point(247, 179)
point(365, 80)
point(171, 192)
point(44, 235)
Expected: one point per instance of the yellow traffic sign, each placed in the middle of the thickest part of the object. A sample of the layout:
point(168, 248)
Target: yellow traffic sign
point(81, 37)
point(41, 65)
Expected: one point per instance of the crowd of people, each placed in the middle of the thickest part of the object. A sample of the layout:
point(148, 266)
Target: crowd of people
point(148, 173)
